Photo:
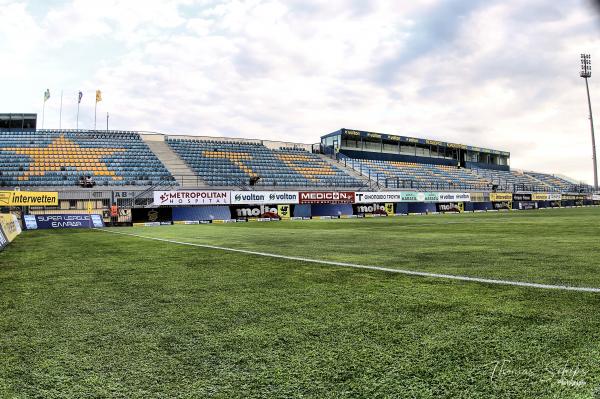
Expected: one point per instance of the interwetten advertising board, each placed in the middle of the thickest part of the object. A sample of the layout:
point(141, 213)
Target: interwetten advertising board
point(539, 197)
point(501, 197)
point(264, 197)
point(192, 197)
point(326, 197)
point(28, 198)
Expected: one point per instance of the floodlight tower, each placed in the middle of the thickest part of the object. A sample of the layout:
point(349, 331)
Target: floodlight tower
point(586, 72)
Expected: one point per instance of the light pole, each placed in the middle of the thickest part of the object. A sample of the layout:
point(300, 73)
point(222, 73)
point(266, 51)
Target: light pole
point(586, 72)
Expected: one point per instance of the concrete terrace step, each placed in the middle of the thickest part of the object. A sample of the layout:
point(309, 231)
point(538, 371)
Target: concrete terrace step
point(184, 175)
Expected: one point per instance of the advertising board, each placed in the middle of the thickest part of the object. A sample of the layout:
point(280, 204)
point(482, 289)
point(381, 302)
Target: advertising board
point(501, 197)
point(326, 197)
point(3, 240)
point(539, 197)
point(454, 197)
point(10, 225)
point(522, 197)
point(152, 215)
point(369, 197)
point(412, 196)
point(63, 221)
point(191, 197)
point(259, 211)
point(457, 207)
point(28, 198)
point(264, 197)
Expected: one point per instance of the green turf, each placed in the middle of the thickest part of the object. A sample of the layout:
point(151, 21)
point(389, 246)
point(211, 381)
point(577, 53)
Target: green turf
point(87, 314)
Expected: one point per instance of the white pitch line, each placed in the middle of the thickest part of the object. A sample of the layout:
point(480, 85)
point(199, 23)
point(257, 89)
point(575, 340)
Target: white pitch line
point(368, 267)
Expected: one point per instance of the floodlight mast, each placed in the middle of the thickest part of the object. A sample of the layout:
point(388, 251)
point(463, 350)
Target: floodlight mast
point(586, 72)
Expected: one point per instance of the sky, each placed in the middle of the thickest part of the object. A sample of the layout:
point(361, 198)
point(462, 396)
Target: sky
point(501, 74)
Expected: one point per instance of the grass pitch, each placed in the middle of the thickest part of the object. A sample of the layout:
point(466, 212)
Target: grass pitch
point(98, 315)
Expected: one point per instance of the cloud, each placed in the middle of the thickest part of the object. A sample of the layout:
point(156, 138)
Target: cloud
point(499, 74)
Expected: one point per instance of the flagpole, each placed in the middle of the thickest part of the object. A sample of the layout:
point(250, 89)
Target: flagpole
point(77, 115)
point(60, 113)
point(95, 108)
point(43, 112)
point(107, 121)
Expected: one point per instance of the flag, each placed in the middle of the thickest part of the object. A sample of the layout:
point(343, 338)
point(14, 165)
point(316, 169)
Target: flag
point(98, 96)
point(46, 95)
point(80, 95)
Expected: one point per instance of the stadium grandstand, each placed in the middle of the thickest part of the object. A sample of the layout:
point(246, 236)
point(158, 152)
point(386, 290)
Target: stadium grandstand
point(94, 169)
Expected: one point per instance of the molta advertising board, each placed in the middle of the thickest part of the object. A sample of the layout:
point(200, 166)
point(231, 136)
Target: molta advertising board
point(386, 209)
point(451, 207)
point(280, 211)
point(264, 197)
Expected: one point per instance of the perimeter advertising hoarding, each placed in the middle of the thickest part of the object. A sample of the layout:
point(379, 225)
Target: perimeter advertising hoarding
point(151, 215)
point(526, 205)
point(386, 209)
point(264, 197)
point(501, 197)
point(431, 197)
point(444, 207)
point(63, 221)
point(554, 197)
point(10, 225)
point(522, 197)
point(3, 240)
point(261, 211)
point(573, 197)
point(498, 205)
point(326, 197)
point(28, 198)
point(369, 197)
point(539, 197)
point(454, 197)
point(191, 197)
point(595, 197)
point(412, 197)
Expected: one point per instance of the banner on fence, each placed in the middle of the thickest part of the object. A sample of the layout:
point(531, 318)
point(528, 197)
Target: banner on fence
point(369, 197)
point(326, 197)
point(454, 197)
point(192, 197)
point(264, 197)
